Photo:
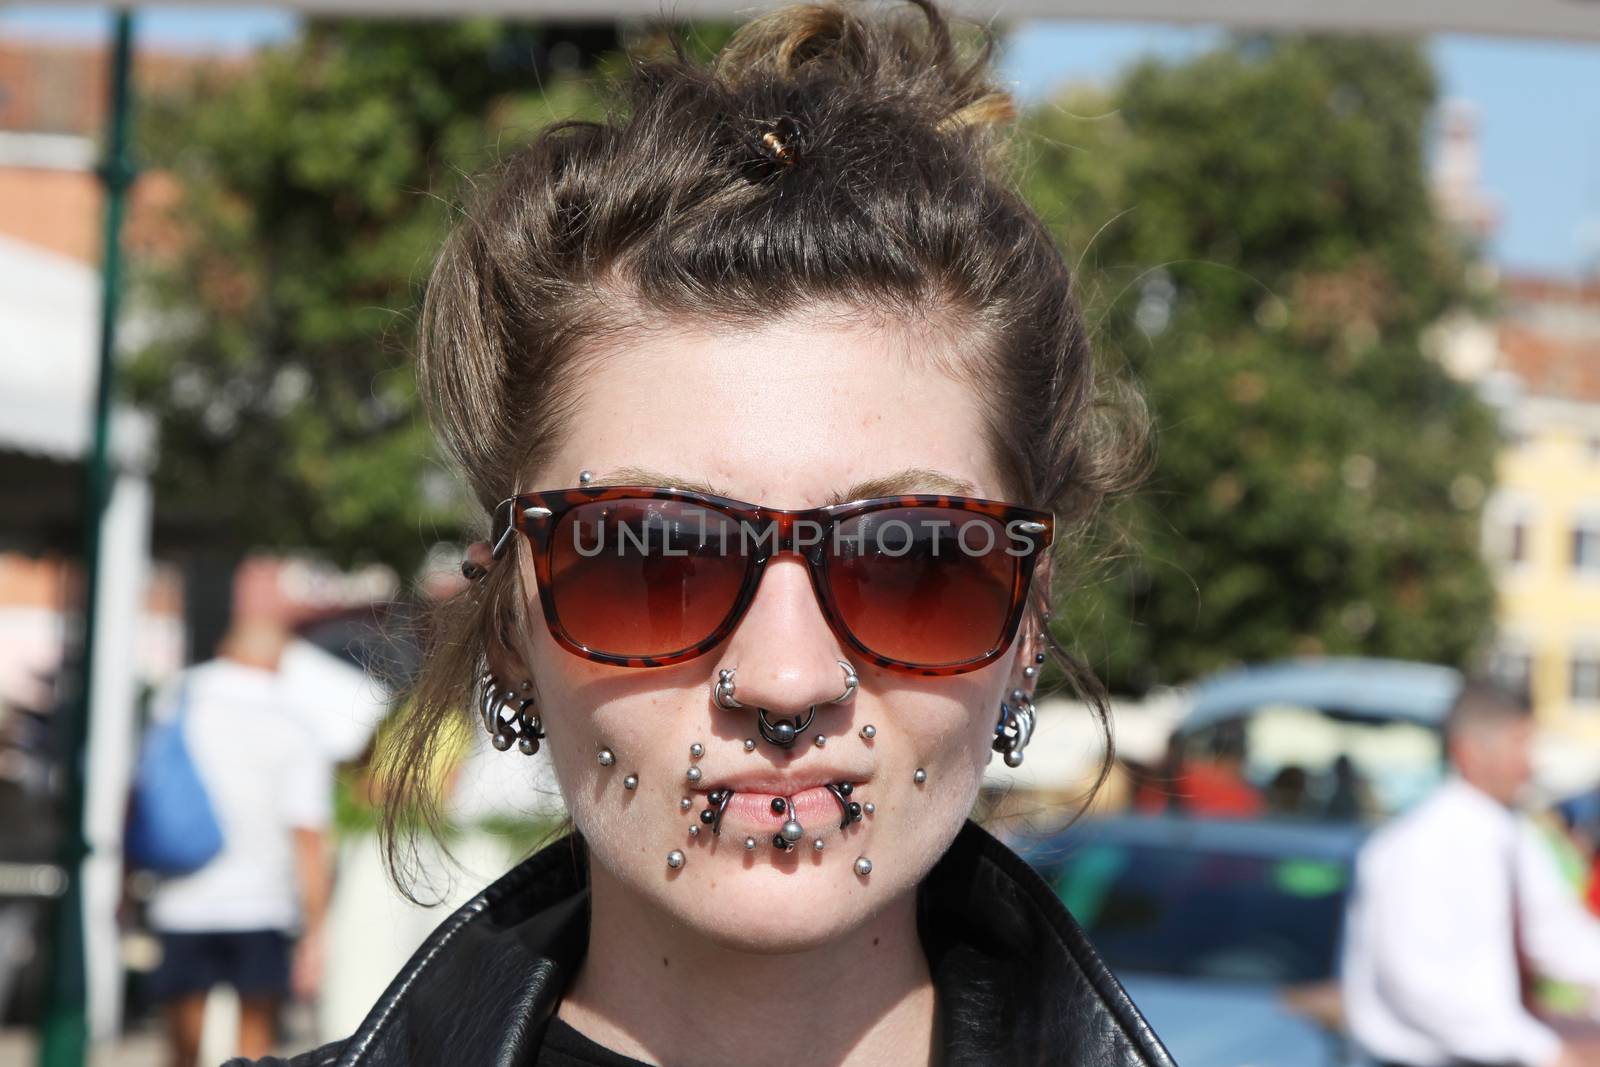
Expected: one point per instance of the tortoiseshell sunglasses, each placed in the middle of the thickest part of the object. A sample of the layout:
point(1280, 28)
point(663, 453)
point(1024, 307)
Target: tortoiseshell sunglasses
point(639, 576)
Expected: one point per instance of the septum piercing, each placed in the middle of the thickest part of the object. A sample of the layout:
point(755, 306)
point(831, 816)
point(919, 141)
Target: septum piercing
point(783, 732)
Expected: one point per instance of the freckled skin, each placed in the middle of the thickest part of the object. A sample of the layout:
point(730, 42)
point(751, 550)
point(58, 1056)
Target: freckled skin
point(783, 415)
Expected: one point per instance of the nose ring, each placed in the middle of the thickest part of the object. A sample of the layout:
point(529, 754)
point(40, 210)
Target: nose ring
point(783, 732)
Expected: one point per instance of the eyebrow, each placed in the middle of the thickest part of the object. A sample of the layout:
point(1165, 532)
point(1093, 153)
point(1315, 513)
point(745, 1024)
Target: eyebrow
point(908, 480)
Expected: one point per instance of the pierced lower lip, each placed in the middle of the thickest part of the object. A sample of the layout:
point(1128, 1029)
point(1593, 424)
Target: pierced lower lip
point(814, 807)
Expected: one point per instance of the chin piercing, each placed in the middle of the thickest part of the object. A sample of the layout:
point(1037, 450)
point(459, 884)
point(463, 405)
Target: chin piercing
point(606, 757)
point(868, 732)
point(694, 830)
point(631, 782)
point(821, 740)
point(817, 845)
point(749, 844)
point(863, 866)
point(920, 777)
point(696, 750)
point(749, 744)
point(685, 804)
point(675, 859)
point(693, 774)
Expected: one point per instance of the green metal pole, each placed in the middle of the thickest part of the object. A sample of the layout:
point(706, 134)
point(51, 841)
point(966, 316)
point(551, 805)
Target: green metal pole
point(64, 1037)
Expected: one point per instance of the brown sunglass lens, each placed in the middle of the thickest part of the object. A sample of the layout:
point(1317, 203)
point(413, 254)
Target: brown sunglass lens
point(925, 586)
point(644, 577)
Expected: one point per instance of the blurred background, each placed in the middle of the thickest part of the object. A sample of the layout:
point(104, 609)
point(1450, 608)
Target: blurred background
point(1355, 266)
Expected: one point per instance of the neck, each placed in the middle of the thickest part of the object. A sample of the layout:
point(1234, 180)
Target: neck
point(655, 990)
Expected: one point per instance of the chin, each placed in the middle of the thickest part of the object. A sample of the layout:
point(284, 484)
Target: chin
point(758, 904)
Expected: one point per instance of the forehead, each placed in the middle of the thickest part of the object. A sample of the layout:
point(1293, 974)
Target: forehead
point(786, 413)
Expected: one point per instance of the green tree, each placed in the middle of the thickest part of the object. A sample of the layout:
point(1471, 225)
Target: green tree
point(315, 188)
point(1259, 244)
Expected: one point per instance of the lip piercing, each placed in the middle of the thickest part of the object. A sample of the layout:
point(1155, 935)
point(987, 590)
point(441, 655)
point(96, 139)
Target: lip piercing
point(778, 806)
point(675, 860)
point(792, 830)
point(712, 816)
point(606, 757)
point(920, 777)
point(850, 810)
point(868, 732)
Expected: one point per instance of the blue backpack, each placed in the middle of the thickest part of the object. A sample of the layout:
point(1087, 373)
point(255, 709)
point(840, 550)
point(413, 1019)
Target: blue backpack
point(172, 828)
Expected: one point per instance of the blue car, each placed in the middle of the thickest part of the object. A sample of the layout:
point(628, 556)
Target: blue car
point(1224, 931)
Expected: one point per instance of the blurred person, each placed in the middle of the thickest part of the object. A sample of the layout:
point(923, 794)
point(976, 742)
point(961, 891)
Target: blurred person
point(252, 917)
point(780, 331)
point(1456, 902)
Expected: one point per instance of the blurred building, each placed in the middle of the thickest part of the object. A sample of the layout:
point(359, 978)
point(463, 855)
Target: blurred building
point(1536, 360)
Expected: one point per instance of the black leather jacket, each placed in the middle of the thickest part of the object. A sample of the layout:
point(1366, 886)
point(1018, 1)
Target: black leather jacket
point(1017, 983)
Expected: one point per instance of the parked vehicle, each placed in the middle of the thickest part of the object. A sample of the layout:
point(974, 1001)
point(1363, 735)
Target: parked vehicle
point(1225, 931)
point(1335, 738)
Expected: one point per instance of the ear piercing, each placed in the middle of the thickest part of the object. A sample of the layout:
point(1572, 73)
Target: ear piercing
point(504, 724)
point(1015, 728)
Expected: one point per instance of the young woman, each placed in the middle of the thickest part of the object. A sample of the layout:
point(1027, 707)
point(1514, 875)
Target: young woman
point(779, 405)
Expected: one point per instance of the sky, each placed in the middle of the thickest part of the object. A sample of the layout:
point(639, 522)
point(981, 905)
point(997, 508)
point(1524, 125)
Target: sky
point(1539, 102)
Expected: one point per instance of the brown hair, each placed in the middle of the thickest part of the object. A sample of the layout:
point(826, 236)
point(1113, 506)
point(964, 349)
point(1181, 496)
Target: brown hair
point(826, 154)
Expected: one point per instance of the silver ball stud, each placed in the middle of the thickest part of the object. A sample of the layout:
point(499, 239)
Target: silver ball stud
point(631, 782)
point(868, 732)
point(863, 866)
point(693, 774)
point(749, 844)
point(792, 831)
point(1029, 671)
point(1013, 759)
point(585, 477)
point(1017, 696)
point(749, 744)
point(606, 757)
point(920, 777)
point(685, 804)
point(817, 845)
point(870, 808)
point(821, 740)
point(697, 750)
point(674, 859)
point(694, 829)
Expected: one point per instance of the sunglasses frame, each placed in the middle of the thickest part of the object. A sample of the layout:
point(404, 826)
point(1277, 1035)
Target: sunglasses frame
point(536, 515)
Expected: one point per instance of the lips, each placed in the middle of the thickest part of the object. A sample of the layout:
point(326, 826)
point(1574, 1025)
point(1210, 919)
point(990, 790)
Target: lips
point(811, 801)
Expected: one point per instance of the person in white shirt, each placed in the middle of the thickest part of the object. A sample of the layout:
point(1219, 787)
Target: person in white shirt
point(253, 916)
point(1453, 901)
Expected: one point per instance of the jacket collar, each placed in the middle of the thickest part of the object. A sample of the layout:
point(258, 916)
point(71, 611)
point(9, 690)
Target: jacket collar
point(1016, 980)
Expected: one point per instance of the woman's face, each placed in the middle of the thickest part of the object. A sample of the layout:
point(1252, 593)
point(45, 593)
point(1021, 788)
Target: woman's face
point(787, 415)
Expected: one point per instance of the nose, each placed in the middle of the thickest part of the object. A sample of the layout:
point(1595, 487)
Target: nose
point(786, 656)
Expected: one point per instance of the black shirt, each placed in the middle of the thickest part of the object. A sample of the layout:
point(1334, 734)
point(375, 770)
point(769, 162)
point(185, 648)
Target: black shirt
point(566, 1047)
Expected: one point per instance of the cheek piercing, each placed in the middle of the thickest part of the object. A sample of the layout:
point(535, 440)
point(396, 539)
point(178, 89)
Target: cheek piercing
point(606, 757)
point(749, 844)
point(631, 782)
point(675, 860)
point(863, 866)
point(920, 777)
point(868, 732)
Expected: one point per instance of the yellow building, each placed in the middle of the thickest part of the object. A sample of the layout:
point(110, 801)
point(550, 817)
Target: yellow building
point(1542, 522)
